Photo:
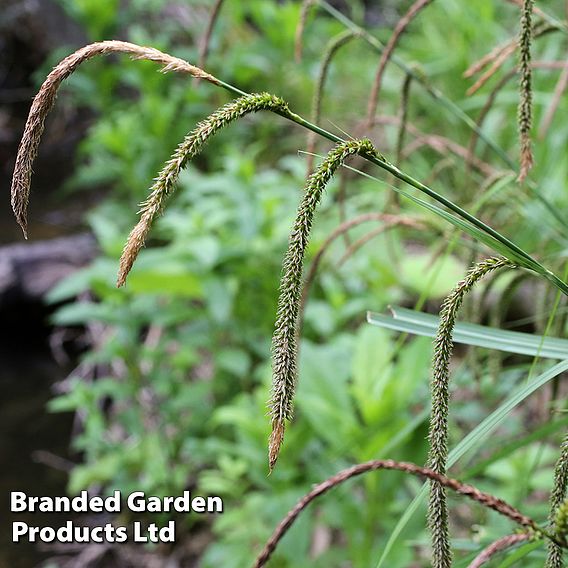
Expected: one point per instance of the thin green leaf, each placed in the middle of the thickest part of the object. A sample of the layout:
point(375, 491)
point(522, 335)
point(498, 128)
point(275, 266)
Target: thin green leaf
point(539, 434)
point(473, 439)
point(521, 552)
point(512, 253)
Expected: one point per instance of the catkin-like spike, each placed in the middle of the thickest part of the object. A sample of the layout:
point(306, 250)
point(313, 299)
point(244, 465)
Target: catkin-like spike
point(186, 151)
point(557, 516)
point(284, 368)
point(561, 522)
point(438, 435)
point(525, 85)
point(45, 99)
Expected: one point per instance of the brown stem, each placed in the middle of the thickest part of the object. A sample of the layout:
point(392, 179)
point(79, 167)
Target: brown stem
point(306, 5)
point(442, 145)
point(469, 491)
point(206, 39)
point(497, 57)
point(438, 143)
point(488, 58)
point(495, 66)
point(498, 546)
point(361, 242)
point(559, 90)
point(386, 55)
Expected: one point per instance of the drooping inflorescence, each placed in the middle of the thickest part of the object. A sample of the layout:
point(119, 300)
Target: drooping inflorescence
point(559, 508)
point(185, 152)
point(45, 99)
point(486, 500)
point(438, 435)
point(284, 365)
point(525, 102)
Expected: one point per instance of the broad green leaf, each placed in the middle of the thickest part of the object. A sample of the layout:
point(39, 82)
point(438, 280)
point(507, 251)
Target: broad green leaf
point(165, 280)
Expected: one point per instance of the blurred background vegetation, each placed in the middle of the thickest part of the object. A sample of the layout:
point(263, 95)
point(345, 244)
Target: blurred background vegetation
point(171, 387)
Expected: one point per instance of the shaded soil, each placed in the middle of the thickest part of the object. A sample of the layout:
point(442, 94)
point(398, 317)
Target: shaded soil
point(27, 371)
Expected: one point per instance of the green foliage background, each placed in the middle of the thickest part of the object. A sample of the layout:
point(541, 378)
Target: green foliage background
point(181, 369)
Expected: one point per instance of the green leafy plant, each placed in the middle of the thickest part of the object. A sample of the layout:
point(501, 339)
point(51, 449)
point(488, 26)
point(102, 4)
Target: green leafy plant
point(335, 400)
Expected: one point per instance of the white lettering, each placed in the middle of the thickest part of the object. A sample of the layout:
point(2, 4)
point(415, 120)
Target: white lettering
point(17, 501)
point(96, 534)
point(168, 534)
point(18, 529)
point(112, 503)
point(136, 502)
point(154, 505)
point(47, 534)
point(138, 537)
point(198, 504)
point(121, 534)
point(214, 505)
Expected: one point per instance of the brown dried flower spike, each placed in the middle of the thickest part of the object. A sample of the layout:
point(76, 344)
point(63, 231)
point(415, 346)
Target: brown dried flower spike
point(44, 100)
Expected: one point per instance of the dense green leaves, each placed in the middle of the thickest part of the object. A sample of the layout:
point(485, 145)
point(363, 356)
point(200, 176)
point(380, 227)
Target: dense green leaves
point(177, 379)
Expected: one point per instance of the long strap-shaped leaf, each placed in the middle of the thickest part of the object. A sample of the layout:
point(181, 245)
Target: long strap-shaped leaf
point(473, 439)
point(419, 323)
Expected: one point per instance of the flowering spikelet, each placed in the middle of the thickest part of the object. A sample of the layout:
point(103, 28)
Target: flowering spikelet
point(525, 85)
point(485, 499)
point(438, 435)
point(45, 99)
point(559, 508)
point(284, 368)
point(190, 146)
point(561, 522)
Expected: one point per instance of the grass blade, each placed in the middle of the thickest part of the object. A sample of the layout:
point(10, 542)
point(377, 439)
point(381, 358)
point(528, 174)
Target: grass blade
point(419, 323)
point(473, 439)
point(493, 240)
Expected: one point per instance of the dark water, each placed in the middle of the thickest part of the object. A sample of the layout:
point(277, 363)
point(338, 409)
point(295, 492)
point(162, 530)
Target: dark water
point(27, 373)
